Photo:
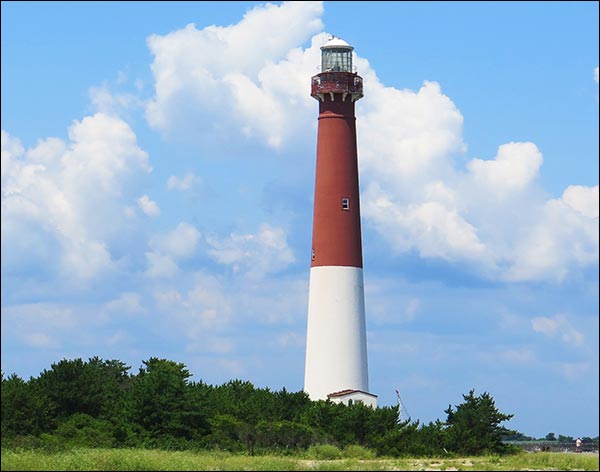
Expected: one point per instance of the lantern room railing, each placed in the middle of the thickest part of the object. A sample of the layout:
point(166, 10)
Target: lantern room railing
point(346, 83)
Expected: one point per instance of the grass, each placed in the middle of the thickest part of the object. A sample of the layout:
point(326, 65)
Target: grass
point(141, 459)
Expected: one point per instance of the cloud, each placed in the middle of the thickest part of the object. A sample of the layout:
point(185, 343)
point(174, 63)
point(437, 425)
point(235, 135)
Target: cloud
point(39, 325)
point(216, 344)
point(63, 193)
point(119, 104)
point(40, 341)
point(493, 217)
point(582, 199)
point(291, 340)
point(127, 302)
point(429, 227)
point(250, 255)
point(562, 238)
point(558, 327)
point(513, 169)
point(182, 184)
point(574, 370)
point(405, 135)
point(11, 149)
point(160, 265)
point(253, 254)
point(198, 312)
point(149, 207)
point(412, 308)
point(211, 72)
point(179, 243)
point(520, 356)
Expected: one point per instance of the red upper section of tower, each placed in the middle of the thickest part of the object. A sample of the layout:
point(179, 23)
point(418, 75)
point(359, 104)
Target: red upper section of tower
point(336, 221)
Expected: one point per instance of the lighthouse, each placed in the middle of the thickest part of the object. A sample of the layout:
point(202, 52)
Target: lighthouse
point(336, 340)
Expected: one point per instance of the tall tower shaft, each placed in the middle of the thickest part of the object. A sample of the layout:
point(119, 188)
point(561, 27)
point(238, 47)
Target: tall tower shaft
point(336, 344)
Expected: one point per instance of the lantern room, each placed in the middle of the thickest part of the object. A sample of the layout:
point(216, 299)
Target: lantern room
point(336, 56)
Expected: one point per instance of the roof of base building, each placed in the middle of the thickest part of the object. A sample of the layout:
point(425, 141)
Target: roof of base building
point(343, 393)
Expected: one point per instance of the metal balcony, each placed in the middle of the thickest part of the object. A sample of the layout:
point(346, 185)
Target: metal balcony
point(345, 83)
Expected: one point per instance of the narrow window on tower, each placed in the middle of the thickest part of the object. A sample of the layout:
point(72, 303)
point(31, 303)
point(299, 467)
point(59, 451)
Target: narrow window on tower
point(345, 203)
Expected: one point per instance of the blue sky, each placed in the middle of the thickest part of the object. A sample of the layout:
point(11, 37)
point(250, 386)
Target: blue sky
point(157, 177)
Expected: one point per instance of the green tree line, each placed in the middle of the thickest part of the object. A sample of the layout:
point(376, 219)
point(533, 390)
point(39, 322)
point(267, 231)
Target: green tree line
point(99, 403)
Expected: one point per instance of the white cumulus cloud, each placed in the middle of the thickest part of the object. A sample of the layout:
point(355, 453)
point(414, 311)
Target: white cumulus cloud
point(160, 266)
point(118, 104)
point(205, 307)
point(583, 199)
point(514, 168)
point(167, 248)
point(127, 302)
point(149, 207)
point(203, 72)
point(405, 135)
point(184, 183)
point(562, 238)
point(179, 243)
point(63, 193)
point(40, 341)
point(558, 327)
point(253, 254)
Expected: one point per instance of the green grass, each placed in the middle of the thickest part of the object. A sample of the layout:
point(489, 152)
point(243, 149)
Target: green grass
point(140, 459)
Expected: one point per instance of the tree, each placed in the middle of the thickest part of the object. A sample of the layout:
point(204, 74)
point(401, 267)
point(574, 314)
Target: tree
point(93, 388)
point(162, 404)
point(290, 405)
point(474, 427)
point(23, 411)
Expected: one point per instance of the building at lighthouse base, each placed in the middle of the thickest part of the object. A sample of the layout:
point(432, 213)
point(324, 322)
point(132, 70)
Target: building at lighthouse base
point(349, 397)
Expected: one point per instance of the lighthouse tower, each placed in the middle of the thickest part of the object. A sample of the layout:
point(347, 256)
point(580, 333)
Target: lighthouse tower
point(336, 342)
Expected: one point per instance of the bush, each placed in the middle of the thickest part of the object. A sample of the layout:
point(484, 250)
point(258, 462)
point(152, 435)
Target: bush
point(324, 452)
point(21, 442)
point(284, 434)
point(81, 430)
point(354, 451)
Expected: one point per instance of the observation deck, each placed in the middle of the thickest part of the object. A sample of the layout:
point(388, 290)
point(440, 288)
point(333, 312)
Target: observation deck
point(345, 83)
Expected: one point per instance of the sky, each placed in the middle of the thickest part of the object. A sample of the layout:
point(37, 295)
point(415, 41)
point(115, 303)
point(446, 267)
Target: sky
point(158, 165)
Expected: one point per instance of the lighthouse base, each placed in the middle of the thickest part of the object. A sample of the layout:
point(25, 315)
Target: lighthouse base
point(336, 343)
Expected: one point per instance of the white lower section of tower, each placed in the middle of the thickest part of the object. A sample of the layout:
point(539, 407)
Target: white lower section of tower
point(336, 338)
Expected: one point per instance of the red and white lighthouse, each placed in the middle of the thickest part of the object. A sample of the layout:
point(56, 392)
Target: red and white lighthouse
point(336, 341)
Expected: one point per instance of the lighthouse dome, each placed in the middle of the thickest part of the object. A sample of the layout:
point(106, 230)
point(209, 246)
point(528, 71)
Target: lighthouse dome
point(336, 43)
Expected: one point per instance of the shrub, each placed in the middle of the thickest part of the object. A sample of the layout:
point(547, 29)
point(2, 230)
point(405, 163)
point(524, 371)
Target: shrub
point(354, 451)
point(324, 451)
point(284, 434)
point(81, 430)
